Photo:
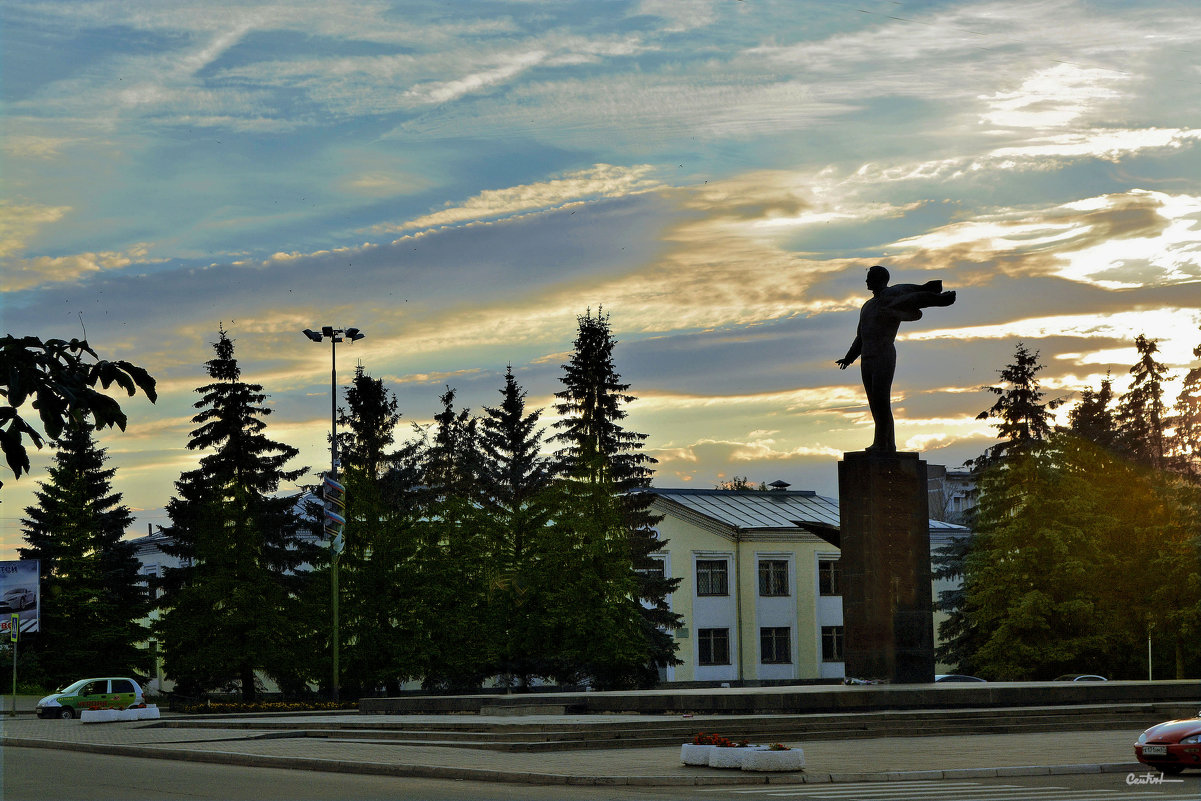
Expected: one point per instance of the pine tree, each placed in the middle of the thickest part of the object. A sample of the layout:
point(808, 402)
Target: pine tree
point(1141, 410)
point(600, 451)
point(1032, 602)
point(368, 424)
point(1186, 422)
point(451, 549)
point(515, 494)
point(379, 563)
point(231, 608)
point(91, 599)
point(1023, 426)
point(1093, 419)
point(1023, 417)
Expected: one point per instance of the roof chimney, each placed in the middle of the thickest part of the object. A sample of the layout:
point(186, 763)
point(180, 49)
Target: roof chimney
point(779, 486)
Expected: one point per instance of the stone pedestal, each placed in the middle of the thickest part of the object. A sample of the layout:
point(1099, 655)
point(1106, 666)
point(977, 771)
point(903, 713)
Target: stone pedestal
point(887, 603)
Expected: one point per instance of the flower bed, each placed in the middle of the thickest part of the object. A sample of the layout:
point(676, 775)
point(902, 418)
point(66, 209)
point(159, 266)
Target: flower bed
point(222, 707)
point(715, 751)
point(776, 757)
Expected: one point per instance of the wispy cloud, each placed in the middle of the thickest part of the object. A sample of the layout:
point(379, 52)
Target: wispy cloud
point(600, 181)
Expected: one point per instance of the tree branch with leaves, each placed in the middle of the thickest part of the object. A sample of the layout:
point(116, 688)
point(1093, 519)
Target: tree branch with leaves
point(56, 378)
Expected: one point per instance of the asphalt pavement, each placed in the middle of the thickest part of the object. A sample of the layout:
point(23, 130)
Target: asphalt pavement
point(311, 743)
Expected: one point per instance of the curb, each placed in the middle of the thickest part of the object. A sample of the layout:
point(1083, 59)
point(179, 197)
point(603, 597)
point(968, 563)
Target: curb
point(513, 777)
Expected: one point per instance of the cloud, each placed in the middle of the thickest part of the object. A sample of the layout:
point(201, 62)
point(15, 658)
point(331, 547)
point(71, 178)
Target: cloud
point(19, 221)
point(1129, 239)
point(447, 91)
point(599, 181)
point(1053, 97)
point(28, 273)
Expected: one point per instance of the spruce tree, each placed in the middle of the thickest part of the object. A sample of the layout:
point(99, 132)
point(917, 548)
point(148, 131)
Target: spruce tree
point(91, 599)
point(378, 565)
point(1141, 410)
point(1023, 423)
point(1093, 419)
point(515, 495)
point(1033, 607)
point(598, 450)
point(1186, 422)
point(1023, 418)
point(231, 607)
point(451, 550)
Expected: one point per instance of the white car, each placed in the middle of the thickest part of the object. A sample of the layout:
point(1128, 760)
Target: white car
point(18, 599)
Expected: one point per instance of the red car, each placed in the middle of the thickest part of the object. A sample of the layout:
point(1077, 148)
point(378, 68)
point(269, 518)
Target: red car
point(1171, 747)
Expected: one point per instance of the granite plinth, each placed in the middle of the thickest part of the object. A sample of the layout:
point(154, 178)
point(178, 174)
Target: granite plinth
point(887, 599)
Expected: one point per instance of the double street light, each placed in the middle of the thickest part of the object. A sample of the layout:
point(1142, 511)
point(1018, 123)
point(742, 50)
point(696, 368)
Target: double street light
point(332, 490)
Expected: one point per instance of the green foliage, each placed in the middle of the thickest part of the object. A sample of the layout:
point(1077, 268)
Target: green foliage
point(233, 605)
point(62, 387)
point(91, 596)
point(1023, 417)
point(1185, 444)
point(382, 606)
point(516, 498)
point(598, 449)
point(1086, 542)
point(741, 483)
point(1141, 411)
point(1031, 593)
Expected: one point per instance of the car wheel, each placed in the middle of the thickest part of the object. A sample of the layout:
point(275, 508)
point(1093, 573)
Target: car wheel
point(66, 713)
point(1171, 770)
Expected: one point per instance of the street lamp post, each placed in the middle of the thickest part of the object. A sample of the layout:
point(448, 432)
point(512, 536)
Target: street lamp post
point(334, 335)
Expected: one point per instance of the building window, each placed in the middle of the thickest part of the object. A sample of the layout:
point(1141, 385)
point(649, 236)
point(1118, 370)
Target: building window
point(775, 645)
point(773, 577)
point(652, 574)
point(712, 577)
point(832, 644)
point(657, 568)
point(713, 646)
point(829, 577)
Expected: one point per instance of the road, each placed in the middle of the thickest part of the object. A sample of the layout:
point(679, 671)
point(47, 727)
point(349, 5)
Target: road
point(36, 774)
point(44, 774)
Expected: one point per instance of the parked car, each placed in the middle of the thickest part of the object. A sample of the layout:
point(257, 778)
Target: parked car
point(941, 677)
point(109, 693)
point(1080, 677)
point(17, 599)
point(1172, 746)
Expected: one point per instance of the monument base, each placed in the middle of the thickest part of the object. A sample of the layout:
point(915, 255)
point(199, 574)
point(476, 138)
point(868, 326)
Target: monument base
point(887, 601)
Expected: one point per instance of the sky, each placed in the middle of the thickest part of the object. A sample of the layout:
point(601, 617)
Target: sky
point(461, 180)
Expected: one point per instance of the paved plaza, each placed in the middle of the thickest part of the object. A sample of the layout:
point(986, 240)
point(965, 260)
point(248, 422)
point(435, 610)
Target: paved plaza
point(312, 743)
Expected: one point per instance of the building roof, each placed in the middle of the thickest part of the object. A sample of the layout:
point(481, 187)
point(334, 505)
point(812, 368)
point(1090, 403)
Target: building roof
point(774, 509)
point(755, 509)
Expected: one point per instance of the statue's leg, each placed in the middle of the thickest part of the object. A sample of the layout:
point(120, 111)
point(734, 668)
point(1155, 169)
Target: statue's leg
point(877, 382)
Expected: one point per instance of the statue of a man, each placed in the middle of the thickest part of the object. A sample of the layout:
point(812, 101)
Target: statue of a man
point(879, 320)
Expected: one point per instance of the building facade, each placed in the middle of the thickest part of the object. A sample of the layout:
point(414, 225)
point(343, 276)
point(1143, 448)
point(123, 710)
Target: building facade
point(760, 583)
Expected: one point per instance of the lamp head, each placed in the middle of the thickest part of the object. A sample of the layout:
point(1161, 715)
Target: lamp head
point(313, 335)
point(354, 334)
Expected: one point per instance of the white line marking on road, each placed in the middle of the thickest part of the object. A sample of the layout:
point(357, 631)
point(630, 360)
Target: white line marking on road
point(854, 786)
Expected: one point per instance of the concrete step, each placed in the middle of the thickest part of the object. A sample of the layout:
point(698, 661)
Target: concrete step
point(596, 732)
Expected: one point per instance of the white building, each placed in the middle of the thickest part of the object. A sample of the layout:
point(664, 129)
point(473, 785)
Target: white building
point(760, 585)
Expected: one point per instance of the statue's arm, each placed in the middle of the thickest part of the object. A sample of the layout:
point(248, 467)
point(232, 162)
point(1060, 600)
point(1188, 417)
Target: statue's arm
point(855, 350)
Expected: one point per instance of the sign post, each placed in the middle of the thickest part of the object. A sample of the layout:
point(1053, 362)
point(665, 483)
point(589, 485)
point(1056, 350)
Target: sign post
point(14, 633)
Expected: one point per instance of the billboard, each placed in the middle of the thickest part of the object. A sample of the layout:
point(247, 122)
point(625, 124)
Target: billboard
point(19, 595)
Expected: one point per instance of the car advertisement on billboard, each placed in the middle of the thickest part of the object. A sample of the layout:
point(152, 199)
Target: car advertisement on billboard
point(19, 595)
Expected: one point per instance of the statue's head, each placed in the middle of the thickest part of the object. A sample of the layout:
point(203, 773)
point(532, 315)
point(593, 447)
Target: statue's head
point(877, 277)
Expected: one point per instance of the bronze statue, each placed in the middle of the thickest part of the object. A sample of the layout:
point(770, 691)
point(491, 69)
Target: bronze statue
point(879, 320)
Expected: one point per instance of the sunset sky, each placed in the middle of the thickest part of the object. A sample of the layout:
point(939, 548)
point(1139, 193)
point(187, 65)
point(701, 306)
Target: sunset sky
point(460, 180)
